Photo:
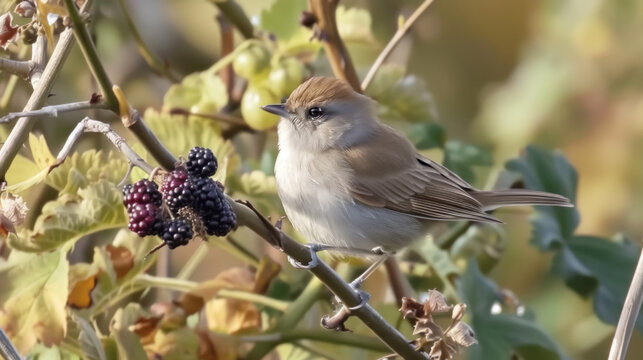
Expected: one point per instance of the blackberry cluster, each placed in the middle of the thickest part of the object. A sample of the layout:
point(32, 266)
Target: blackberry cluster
point(177, 232)
point(189, 193)
point(211, 205)
point(143, 201)
point(201, 162)
point(177, 190)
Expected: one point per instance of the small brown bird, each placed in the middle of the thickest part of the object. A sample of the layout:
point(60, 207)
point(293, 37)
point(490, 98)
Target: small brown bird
point(348, 182)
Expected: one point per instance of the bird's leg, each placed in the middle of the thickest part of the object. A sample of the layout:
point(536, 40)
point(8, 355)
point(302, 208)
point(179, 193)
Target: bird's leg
point(357, 283)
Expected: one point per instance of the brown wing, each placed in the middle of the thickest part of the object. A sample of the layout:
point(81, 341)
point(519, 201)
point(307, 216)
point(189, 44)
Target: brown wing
point(404, 181)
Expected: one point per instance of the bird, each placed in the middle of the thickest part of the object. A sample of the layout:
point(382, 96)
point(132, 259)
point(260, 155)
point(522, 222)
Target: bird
point(352, 184)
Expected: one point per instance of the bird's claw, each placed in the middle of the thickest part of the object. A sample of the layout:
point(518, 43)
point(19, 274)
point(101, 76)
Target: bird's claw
point(314, 259)
point(364, 296)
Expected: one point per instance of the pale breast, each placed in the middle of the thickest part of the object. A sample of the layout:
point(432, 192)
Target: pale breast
point(314, 190)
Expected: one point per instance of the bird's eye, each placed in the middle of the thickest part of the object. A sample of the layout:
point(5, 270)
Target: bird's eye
point(315, 112)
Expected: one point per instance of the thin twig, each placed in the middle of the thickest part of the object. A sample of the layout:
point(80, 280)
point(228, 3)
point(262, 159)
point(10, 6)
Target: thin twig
point(235, 14)
point(90, 125)
point(91, 56)
point(159, 66)
point(222, 117)
point(630, 312)
point(7, 350)
point(326, 30)
point(399, 283)
point(21, 130)
point(399, 34)
point(38, 59)
point(16, 67)
point(53, 110)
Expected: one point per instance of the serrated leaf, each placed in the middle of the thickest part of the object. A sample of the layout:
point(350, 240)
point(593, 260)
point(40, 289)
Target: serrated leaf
point(81, 169)
point(180, 134)
point(500, 335)
point(354, 24)
point(23, 174)
point(549, 172)
point(400, 97)
point(282, 18)
point(427, 135)
point(33, 294)
point(96, 207)
point(462, 158)
point(196, 88)
point(88, 339)
point(257, 183)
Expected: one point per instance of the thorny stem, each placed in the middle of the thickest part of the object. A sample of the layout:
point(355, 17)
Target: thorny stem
point(399, 34)
point(235, 14)
point(343, 338)
point(630, 312)
point(21, 130)
point(157, 65)
point(91, 56)
point(326, 30)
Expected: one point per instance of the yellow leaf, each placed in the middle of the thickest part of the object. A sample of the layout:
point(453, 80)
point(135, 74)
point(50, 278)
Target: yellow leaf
point(232, 316)
point(33, 294)
point(40, 151)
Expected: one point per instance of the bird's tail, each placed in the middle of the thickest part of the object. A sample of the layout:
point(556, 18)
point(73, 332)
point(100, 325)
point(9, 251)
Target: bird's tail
point(494, 199)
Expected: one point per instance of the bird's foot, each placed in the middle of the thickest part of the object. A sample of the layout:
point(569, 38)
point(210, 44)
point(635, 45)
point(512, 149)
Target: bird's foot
point(314, 259)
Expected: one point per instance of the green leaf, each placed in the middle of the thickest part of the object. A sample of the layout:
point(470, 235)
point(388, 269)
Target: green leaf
point(33, 294)
point(354, 25)
point(282, 18)
point(89, 341)
point(89, 167)
point(180, 134)
point(128, 343)
point(257, 183)
point(613, 265)
point(551, 172)
point(400, 97)
point(500, 335)
point(461, 158)
point(441, 263)
point(96, 207)
point(197, 90)
point(427, 135)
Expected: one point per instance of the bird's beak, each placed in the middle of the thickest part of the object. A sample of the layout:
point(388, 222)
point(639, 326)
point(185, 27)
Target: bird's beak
point(277, 109)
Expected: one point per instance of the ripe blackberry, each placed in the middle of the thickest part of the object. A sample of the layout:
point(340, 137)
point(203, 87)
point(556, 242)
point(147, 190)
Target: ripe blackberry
point(212, 207)
point(177, 232)
point(177, 190)
point(142, 192)
point(145, 219)
point(201, 162)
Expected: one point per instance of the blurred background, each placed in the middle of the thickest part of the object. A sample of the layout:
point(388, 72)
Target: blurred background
point(566, 75)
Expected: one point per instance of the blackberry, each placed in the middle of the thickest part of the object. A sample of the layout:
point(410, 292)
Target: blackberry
point(142, 192)
point(201, 162)
point(145, 219)
point(177, 190)
point(211, 205)
point(177, 232)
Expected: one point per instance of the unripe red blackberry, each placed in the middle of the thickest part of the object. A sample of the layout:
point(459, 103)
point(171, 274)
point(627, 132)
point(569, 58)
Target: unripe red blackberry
point(177, 232)
point(142, 192)
point(145, 219)
point(201, 162)
point(212, 207)
point(177, 190)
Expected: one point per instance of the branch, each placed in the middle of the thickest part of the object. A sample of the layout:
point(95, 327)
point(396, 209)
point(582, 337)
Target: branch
point(7, 350)
point(91, 56)
point(325, 29)
point(399, 34)
point(21, 130)
point(292, 335)
point(630, 312)
point(349, 297)
point(16, 67)
point(53, 110)
point(158, 66)
point(89, 125)
point(235, 14)
point(38, 60)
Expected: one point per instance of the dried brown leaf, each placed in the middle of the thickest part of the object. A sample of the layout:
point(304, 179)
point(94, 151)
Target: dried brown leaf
point(122, 258)
point(462, 334)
